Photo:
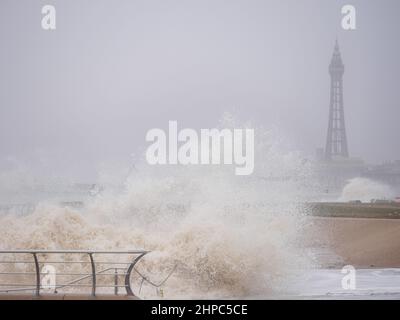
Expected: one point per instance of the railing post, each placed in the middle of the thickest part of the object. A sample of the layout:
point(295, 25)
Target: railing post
point(116, 282)
point(128, 288)
point(93, 274)
point(37, 274)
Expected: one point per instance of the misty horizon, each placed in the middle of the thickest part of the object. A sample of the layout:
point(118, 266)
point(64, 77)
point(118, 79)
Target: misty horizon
point(84, 95)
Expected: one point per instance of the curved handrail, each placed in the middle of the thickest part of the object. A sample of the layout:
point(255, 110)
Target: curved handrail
point(128, 274)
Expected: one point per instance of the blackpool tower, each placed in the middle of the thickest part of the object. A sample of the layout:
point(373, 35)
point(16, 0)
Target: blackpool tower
point(336, 140)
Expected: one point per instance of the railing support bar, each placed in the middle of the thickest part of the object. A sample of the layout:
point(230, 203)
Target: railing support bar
point(93, 274)
point(116, 282)
point(37, 274)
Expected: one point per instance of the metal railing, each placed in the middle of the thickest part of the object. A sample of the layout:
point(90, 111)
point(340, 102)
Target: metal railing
point(11, 261)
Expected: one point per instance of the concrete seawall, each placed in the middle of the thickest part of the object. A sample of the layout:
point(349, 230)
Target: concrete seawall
point(354, 210)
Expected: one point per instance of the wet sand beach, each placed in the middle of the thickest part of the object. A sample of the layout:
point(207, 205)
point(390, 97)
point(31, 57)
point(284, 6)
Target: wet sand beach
point(361, 242)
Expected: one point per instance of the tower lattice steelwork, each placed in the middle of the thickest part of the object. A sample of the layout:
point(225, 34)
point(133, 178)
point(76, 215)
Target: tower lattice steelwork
point(336, 141)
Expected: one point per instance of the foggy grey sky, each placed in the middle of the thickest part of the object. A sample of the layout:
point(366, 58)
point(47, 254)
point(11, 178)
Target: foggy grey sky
point(88, 92)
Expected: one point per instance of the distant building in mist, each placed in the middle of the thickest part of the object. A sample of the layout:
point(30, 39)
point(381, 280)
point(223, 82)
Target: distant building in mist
point(336, 139)
point(336, 166)
point(388, 172)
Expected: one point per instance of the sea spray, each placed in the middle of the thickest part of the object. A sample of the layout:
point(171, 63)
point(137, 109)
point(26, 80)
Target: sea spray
point(228, 236)
point(365, 190)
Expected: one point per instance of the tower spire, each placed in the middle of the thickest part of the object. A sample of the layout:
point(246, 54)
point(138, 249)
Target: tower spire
point(336, 141)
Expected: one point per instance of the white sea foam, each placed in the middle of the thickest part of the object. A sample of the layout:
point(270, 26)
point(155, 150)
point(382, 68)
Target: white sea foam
point(229, 236)
point(365, 190)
